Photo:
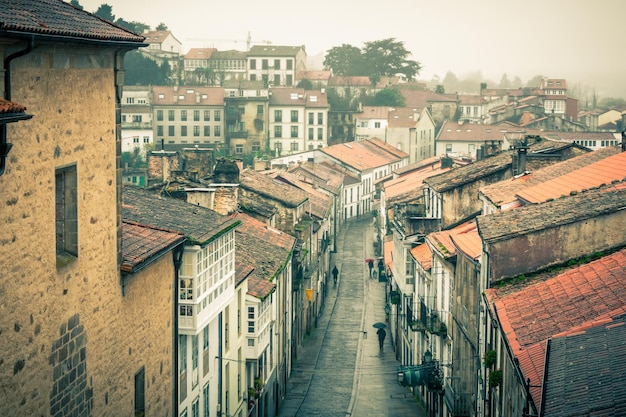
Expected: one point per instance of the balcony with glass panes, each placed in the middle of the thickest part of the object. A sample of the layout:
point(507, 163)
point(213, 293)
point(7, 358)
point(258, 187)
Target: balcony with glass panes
point(206, 283)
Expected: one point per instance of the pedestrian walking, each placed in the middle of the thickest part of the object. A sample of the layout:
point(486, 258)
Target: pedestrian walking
point(381, 337)
point(370, 264)
point(335, 273)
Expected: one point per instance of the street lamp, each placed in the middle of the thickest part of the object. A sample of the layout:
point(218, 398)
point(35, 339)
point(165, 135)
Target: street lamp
point(428, 357)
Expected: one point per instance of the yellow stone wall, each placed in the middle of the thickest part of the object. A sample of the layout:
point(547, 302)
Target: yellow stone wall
point(70, 92)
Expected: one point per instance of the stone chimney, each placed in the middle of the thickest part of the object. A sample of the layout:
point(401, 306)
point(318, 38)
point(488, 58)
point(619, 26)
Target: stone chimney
point(226, 184)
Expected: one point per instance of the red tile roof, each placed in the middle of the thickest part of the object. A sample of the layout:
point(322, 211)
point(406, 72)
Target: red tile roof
point(364, 155)
point(59, 18)
point(549, 306)
point(10, 107)
point(411, 182)
point(200, 53)
point(465, 235)
point(504, 193)
point(205, 96)
point(603, 172)
point(141, 243)
point(423, 255)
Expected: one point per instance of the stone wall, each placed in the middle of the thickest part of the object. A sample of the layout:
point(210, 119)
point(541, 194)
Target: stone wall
point(70, 93)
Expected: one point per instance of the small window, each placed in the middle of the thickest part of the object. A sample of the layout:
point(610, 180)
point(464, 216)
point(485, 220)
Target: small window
point(238, 149)
point(140, 392)
point(66, 208)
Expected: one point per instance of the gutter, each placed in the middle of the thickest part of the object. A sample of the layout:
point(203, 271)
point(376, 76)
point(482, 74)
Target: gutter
point(5, 147)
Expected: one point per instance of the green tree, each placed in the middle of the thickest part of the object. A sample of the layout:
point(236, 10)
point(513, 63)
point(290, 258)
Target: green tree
point(144, 71)
point(105, 12)
point(389, 97)
point(345, 60)
point(535, 82)
point(440, 89)
point(388, 57)
point(161, 26)
point(76, 4)
point(306, 84)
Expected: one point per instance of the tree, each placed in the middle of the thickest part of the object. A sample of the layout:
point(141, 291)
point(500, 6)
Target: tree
point(389, 97)
point(504, 82)
point(105, 12)
point(345, 60)
point(76, 4)
point(144, 71)
point(535, 82)
point(388, 57)
point(306, 84)
point(161, 26)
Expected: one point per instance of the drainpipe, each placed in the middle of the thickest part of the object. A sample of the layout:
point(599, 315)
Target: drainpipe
point(178, 260)
point(220, 353)
point(5, 147)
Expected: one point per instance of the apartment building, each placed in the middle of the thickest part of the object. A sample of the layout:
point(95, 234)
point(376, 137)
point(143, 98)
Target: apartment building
point(275, 65)
point(137, 133)
point(188, 115)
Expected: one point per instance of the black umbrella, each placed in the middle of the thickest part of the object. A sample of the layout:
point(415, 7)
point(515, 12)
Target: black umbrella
point(380, 325)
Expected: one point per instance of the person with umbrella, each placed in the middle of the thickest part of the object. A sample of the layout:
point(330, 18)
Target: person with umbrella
point(335, 273)
point(370, 264)
point(381, 334)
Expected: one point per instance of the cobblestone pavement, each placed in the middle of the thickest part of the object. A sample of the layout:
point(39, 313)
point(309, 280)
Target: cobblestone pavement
point(340, 370)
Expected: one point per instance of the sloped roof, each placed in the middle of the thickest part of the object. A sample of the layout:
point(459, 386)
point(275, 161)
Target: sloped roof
point(12, 112)
point(403, 118)
point(287, 96)
point(548, 306)
point(602, 172)
point(505, 192)
point(206, 96)
point(585, 372)
point(465, 235)
point(142, 243)
point(320, 201)
point(349, 81)
point(411, 182)
point(470, 132)
point(374, 112)
point(486, 167)
point(200, 53)
point(423, 255)
point(274, 50)
point(200, 225)
point(60, 19)
point(230, 54)
point(267, 186)
point(320, 175)
point(421, 99)
point(264, 248)
point(504, 225)
point(364, 155)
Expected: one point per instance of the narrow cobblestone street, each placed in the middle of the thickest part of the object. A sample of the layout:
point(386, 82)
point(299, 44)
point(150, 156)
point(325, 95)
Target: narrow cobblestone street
point(340, 370)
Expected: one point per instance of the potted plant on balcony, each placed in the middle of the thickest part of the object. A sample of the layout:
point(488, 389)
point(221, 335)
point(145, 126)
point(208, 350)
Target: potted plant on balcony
point(252, 393)
point(394, 297)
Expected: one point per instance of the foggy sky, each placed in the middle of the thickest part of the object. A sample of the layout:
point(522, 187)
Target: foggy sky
point(582, 41)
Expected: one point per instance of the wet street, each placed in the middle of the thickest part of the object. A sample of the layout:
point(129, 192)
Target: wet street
point(340, 370)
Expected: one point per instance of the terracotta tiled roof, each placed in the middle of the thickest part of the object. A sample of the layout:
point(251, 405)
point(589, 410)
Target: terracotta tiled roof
point(287, 96)
point(569, 209)
point(423, 255)
point(142, 243)
point(421, 99)
point(190, 96)
point(59, 18)
point(485, 167)
point(7, 107)
point(266, 249)
point(471, 99)
point(200, 53)
point(411, 182)
point(200, 225)
point(320, 175)
point(585, 372)
point(602, 172)
point(316, 99)
point(403, 117)
point(320, 201)
point(453, 131)
point(463, 236)
point(364, 155)
point(549, 306)
point(374, 112)
point(267, 186)
point(504, 193)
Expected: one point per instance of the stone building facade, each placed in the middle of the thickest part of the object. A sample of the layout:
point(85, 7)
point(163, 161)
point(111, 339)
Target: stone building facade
point(71, 342)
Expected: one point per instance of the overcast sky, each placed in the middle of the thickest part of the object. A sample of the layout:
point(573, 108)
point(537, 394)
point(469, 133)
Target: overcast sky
point(583, 41)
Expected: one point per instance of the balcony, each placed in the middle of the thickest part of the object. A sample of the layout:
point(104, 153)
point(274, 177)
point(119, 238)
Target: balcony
point(137, 125)
point(237, 135)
